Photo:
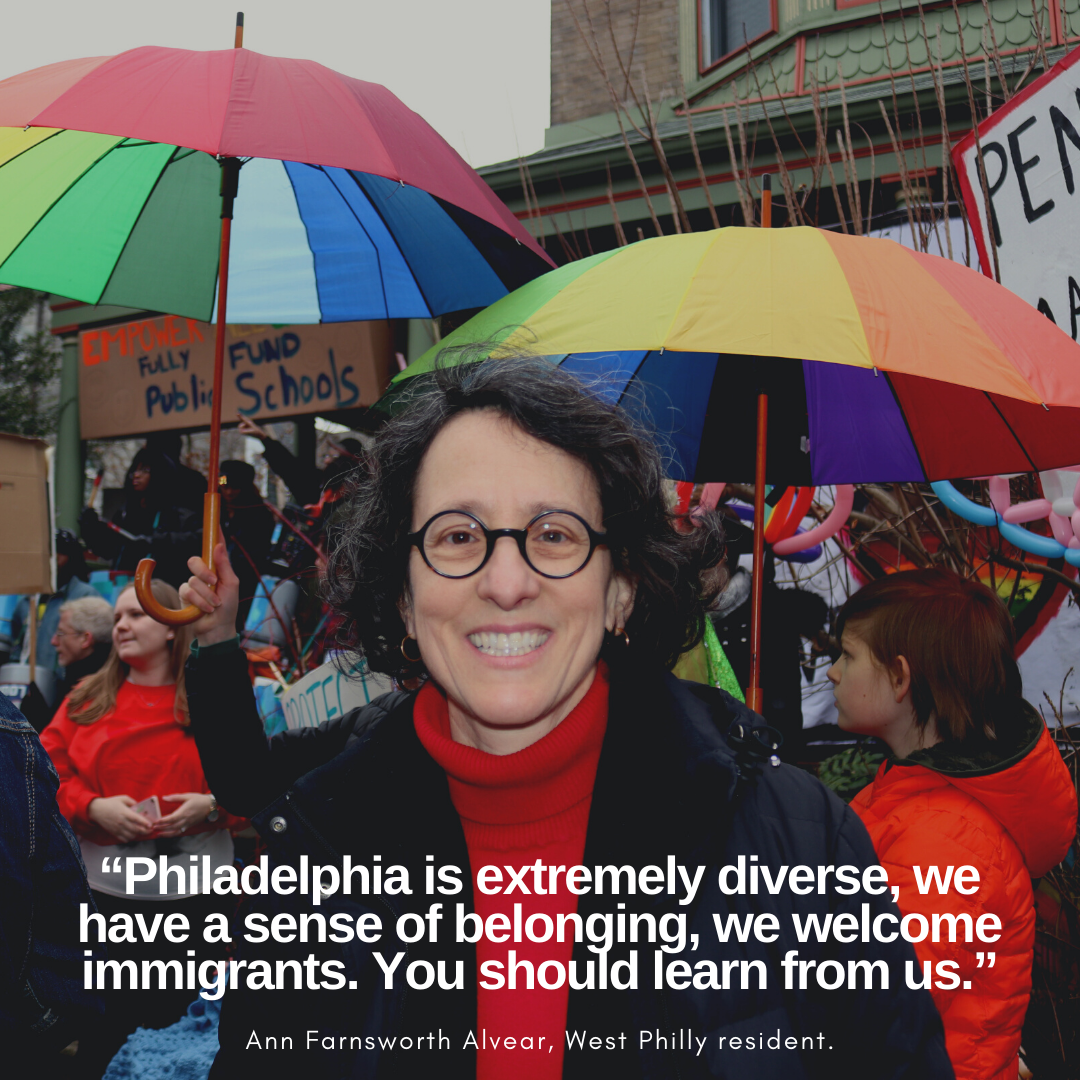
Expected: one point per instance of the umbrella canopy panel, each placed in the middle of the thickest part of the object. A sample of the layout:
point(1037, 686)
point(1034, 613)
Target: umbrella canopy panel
point(799, 293)
point(828, 424)
point(239, 103)
point(881, 364)
point(110, 220)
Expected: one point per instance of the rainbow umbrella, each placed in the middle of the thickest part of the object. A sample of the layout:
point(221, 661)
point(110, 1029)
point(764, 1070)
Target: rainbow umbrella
point(877, 363)
point(881, 364)
point(119, 177)
point(349, 205)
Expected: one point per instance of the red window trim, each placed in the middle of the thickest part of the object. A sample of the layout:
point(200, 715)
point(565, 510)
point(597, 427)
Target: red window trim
point(843, 5)
point(1058, 22)
point(774, 18)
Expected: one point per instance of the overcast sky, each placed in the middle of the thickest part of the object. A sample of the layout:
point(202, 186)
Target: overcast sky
point(476, 70)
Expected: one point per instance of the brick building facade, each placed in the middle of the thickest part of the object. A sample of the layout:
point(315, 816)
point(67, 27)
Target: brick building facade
point(647, 32)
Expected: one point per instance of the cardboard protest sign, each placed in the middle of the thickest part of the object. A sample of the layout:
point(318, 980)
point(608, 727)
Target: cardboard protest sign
point(327, 692)
point(156, 374)
point(1031, 154)
point(25, 529)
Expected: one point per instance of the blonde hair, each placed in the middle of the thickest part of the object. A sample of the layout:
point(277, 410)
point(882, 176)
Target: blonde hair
point(95, 696)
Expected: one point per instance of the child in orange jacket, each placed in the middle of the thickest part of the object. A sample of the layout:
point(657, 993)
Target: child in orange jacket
point(973, 780)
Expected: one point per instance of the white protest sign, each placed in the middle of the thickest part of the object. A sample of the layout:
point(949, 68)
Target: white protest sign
point(328, 692)
point(1031, 154)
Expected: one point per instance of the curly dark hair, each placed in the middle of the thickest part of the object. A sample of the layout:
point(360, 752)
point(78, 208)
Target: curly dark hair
point(366, 573)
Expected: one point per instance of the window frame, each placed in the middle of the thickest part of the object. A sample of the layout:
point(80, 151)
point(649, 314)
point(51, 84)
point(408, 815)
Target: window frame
point(774, 26)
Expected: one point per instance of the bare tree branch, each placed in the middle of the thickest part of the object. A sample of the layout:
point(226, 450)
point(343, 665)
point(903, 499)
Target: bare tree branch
point(677, 210)
point(794, 209)
point(816, 165)
point(913, 213)
point(597, 55)
point(987, 205)
point(854, 199)
point(901, 159)
point(939, 95)
point(1037, 23)
point(819, 124)
point(873, 168)
point(744, 195)
point(929, 203)
point(996, 53)
point(697, 155)
point(619, 234)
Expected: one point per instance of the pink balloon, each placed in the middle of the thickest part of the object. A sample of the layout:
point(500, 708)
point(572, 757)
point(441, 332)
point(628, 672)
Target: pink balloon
point(999, 493)
point(1025, 511)
point(1061, 527)
point(845, 499)
point(710, 496)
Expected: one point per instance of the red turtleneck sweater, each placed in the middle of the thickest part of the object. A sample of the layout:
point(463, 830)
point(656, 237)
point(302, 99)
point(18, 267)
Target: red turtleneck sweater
point(519, 810)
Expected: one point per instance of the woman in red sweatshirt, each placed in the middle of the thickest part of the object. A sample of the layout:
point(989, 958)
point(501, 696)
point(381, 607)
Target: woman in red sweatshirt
point(118, 740)
point(973, 781)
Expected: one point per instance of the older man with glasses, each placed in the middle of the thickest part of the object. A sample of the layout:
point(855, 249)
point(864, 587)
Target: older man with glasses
point(83, 639)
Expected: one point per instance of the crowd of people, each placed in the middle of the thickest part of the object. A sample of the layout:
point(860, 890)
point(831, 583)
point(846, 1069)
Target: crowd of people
point(507, 554)
point(160, 512)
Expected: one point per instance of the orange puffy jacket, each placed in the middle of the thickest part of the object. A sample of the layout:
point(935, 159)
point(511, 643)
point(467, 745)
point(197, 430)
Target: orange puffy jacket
point(1012, 816)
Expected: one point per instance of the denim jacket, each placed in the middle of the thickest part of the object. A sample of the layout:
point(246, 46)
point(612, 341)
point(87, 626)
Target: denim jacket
point(43, 1005)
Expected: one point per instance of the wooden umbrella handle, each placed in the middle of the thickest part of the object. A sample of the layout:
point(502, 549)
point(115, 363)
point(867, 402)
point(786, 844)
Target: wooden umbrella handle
point(144, 573)
point(230, 178)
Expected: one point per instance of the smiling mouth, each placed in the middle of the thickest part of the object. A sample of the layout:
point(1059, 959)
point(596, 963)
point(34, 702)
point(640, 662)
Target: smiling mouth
point(515, 644)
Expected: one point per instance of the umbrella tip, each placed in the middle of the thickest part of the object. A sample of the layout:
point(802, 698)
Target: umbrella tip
point(238, 42)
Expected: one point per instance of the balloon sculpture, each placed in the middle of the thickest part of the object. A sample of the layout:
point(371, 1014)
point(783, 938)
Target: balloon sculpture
point(782, 523)
point(1061, 505)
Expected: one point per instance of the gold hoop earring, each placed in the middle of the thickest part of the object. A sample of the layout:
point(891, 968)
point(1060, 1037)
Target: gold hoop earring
point(411, 659)
point(620, 631)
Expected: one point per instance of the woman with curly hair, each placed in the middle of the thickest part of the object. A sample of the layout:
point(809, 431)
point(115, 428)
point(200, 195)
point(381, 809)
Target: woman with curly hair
point(511, 546)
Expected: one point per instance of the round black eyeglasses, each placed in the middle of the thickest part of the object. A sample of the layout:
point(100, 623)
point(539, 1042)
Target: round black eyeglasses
point(556, 543)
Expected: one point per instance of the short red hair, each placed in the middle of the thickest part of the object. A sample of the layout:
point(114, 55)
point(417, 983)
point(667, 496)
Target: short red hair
point(958, 639)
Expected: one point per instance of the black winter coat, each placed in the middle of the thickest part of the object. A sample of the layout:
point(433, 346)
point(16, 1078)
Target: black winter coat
point(668, 783)
point(169, 534)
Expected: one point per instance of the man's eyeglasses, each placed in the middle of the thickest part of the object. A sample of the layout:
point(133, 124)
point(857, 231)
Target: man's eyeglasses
point(556, 543)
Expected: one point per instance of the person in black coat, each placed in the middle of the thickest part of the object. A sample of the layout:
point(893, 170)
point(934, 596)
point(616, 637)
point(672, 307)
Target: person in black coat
point(190, 484)
point(151, 521)
point(512, 545)
point(306, 481)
